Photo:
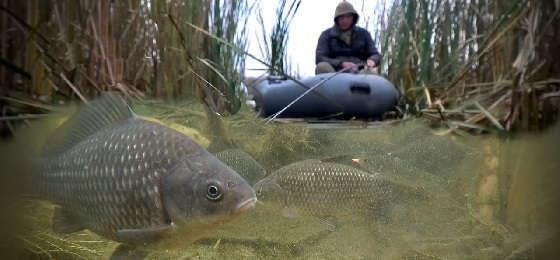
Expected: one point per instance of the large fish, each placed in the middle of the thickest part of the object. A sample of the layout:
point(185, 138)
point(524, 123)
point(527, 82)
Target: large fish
point(134, 181)
point(316, 188)
point(243, 163)
point(434, 154)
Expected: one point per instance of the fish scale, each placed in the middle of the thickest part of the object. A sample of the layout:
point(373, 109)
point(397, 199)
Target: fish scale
point(319, 188)
point(243, 163)
point(134, 181)
point(87, 180)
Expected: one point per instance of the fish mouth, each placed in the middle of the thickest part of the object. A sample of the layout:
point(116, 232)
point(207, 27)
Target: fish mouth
point(245, 206)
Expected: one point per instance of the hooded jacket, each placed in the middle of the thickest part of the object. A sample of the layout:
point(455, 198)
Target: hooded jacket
point(332, 49)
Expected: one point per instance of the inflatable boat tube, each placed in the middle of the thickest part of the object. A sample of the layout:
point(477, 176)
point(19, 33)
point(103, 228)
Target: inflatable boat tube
point(342, 96)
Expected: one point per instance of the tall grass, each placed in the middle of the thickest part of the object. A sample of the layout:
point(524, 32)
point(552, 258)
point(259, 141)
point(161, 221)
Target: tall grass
point(75, 49)
point(273, 44)
point(486, 55)
point(443, 54)
point(78, 48)
point(227, 21)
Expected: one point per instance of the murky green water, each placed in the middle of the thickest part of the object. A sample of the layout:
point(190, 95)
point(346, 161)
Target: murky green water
point(485, 198)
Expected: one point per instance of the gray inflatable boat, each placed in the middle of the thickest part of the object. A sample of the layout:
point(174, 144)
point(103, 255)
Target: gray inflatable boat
point(341, 96)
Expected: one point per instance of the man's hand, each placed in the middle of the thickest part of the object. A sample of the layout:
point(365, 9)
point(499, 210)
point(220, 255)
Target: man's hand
point(348, 64)
point(371, 63)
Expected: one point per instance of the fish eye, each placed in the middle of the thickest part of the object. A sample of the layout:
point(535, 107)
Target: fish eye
point(213, 192)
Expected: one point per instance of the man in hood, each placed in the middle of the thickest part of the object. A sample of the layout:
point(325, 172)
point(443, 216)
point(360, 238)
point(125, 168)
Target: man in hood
point(345, 45)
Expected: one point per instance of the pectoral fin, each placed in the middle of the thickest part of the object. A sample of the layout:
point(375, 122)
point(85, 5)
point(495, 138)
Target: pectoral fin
point(127, 252)
point(65, 223)
point(144, 235)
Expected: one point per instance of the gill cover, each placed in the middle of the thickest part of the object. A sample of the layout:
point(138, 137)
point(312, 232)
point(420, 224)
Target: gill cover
point(268, 190)
point(200, 188)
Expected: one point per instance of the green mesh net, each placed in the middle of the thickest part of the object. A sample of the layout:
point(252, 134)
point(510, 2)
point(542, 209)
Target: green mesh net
point(481, 197)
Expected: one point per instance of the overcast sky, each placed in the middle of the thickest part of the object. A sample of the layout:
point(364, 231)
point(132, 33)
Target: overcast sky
point(312, 18)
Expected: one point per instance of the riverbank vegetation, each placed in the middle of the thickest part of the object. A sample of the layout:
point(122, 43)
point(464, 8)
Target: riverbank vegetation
point(469, 66)
point(475, 61)
point(479, 65)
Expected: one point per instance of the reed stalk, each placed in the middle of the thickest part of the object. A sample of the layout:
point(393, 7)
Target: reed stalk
point(447, 46)
point(273, 44)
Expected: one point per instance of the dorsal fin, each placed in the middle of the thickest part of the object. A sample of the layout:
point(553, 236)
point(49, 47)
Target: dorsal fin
point(107, 110)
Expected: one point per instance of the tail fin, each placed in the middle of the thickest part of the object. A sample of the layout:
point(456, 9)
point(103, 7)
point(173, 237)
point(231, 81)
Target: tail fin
point(16, 169)
point(11, 221)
